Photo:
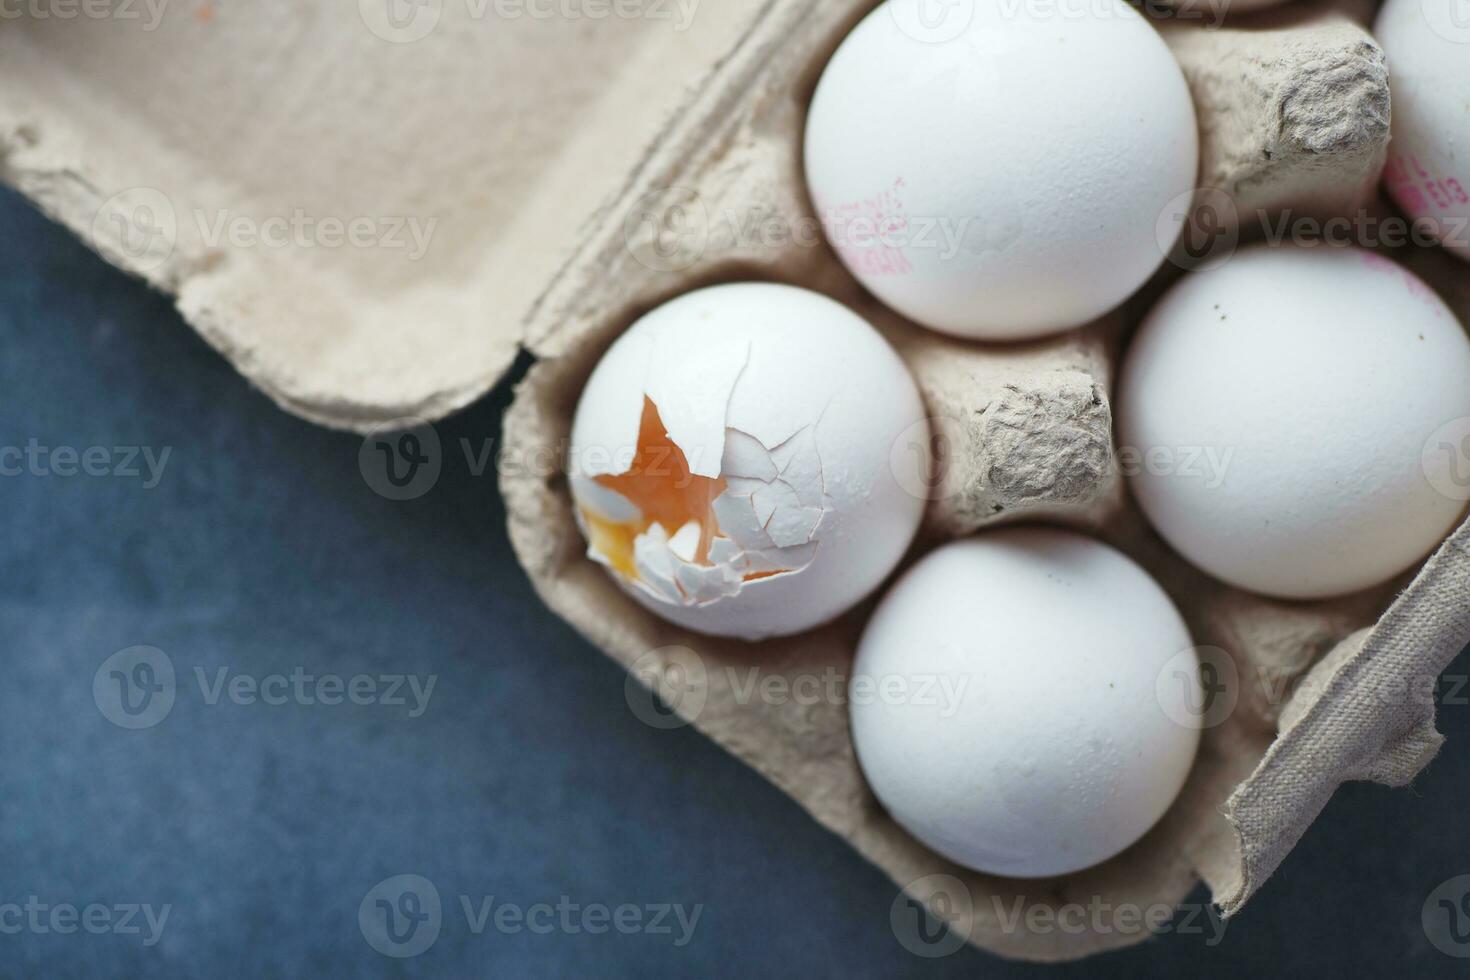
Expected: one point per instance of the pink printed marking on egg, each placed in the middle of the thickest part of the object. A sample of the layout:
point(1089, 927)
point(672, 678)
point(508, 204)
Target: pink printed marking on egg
point(1419, 190)
point(869, 235)
point(1415, 286)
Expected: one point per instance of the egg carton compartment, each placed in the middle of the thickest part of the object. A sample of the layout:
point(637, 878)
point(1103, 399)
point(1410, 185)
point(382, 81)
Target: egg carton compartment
point(580, 174)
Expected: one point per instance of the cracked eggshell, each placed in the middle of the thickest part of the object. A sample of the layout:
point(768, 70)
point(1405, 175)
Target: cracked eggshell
point(1022, 702)
point(1428, 172)
point(997, 171)
point(1291, 422)
point(792, 400)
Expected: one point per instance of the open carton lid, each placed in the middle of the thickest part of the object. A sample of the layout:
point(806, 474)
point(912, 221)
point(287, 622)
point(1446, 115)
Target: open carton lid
point(362, 205)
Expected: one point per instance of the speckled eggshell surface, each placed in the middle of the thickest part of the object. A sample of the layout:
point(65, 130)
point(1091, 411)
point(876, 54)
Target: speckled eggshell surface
point(1293, 421)
point(1428, 171)
point(998, 170)
point(1021, 702)
point(798, 404)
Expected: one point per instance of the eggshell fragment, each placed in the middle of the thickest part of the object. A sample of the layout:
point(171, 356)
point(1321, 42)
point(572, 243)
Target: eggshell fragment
point(757, 420)
point(997, 170)
point(1292, 422)
point(1024, 702)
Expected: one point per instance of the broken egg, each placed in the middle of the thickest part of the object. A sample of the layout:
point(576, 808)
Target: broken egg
point(1293, 421)
point(1428, 170)
point(998, 171)
point(1026, 702)
point(729, 459)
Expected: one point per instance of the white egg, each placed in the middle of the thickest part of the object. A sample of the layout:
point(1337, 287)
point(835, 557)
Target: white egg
point(1428, 171)
point(1026, 702)
point(1290, 420)
point(730, 459)
point(997, 170)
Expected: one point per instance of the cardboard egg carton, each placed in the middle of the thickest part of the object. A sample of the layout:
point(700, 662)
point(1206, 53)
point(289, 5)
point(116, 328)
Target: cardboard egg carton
point(547, 181)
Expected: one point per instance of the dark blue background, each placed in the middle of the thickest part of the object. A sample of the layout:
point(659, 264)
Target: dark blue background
point(527, 779)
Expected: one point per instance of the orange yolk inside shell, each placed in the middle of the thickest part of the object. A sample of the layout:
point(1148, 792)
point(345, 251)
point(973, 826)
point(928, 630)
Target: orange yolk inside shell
point(660, 484)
